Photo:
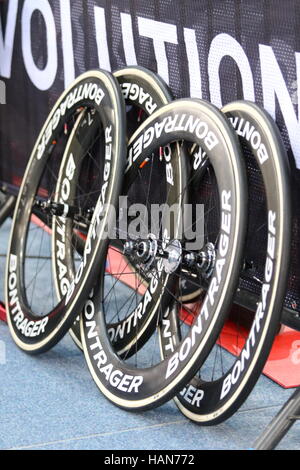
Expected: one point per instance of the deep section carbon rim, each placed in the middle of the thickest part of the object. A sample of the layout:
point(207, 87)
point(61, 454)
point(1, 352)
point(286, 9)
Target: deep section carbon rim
point(35, 330)
point(137, 383)
point(144, 92)
point(224, 381)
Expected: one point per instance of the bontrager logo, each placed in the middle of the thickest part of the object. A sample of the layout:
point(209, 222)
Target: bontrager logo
point(2, 92)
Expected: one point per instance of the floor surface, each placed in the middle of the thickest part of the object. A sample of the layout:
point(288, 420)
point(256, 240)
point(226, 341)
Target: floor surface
point(51, 402)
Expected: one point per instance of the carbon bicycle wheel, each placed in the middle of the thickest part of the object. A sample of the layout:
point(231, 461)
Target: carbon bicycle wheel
point(144, 92)
point(225, 380)
point(141, 379)
point(37, 318)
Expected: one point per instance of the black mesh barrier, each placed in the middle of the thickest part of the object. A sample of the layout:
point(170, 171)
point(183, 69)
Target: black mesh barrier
point(219, 50)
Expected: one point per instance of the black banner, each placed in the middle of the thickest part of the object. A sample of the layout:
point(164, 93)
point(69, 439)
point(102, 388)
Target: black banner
point(219, 50)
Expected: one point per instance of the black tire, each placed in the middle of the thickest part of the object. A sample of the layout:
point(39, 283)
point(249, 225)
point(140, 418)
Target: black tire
point(133, 385)
point(209, 399)
point(144, 92)
point(34, 330)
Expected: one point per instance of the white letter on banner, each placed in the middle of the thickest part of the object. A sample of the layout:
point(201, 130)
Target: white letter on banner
point(101, 38)
point(160, 33)
point(67, 41)
point(221, 46)
point(274, 86)
point(7, 41)
point(41, 78)
point(193, 61)
point(128, 41)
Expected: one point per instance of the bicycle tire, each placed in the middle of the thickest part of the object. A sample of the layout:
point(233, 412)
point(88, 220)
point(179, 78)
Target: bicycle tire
point(32, 331)
point(126, 385)
point(143, 90)
point(212, 401)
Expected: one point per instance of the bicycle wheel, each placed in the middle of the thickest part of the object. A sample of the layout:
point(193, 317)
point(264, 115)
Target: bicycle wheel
point(144, 380)
point(143, 92)
point(224, 380)
point(35, 326)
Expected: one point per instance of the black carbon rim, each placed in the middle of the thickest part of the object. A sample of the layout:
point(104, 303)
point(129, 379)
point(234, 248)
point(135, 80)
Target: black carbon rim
point(125, 383)
point(32, 330)
point(224, 381)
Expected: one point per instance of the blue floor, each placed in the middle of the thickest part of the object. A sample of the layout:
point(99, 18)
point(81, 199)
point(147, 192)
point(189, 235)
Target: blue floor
point(51, 402)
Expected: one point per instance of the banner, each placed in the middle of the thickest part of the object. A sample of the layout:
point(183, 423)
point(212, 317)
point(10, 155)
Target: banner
point(212, 49)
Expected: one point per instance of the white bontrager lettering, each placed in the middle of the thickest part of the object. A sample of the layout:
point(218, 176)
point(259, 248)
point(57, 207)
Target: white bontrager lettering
point(239, 366)
point(96, 221)
point(126, 326)
point(192, 395)
point(209, 301)
point(133, 92)
point(248, 131)
point(27, 327)
point(116, 378)
point(89, 90)
point(171, 123)
point(60, 227)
